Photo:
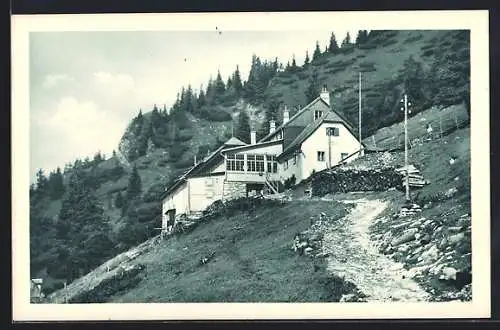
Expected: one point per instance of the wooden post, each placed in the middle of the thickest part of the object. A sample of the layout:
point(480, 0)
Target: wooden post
point(374, 142)
point(406, 149)
point(359, 119)
point(329, 148)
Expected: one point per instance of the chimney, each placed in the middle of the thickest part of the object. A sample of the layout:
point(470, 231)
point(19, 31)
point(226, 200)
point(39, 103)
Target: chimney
point(253, 137)
point(272, 126)
point(325, 95)
point(286, 115)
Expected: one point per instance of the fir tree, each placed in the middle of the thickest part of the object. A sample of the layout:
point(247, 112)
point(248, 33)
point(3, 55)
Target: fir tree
point(119, 200)
point(220, 88)
point(346, 43)
point(82, 229)
point(243, 128)
point(55, 184)
point(317, 51)
point(134, 186)
point(236, 83)
point(313, 88)
point(306, 61)
point(362, 37)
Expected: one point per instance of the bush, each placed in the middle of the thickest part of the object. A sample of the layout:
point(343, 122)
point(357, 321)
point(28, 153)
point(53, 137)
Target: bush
point(154, 192)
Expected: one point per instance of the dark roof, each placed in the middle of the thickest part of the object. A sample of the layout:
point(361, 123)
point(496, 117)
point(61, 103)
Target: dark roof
point(251, 146)
point(330, 117)
point(304, 109)
point(196, 169)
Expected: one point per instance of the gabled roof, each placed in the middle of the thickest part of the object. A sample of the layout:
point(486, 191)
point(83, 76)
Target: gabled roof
point(233, 141)
point(301, 111)
point(330, 117)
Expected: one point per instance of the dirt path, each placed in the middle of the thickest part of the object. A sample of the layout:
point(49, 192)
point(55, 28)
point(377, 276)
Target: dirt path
point(352, 255)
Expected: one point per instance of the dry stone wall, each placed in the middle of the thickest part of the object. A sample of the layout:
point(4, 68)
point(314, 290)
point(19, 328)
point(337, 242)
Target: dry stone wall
point(349, 180)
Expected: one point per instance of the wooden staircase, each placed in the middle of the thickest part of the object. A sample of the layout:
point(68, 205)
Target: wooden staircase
point(271, 186)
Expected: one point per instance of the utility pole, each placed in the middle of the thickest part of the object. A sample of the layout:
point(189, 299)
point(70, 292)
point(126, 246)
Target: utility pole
point(359, 119)
point(330, 147)
point(407, 181)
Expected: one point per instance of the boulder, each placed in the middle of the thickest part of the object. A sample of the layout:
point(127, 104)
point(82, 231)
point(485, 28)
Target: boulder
point(448, 273)
point(407, 236)
point(430, 255)
point(454, 239)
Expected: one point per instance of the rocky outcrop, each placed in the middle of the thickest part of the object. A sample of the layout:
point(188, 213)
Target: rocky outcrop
point(434, 253)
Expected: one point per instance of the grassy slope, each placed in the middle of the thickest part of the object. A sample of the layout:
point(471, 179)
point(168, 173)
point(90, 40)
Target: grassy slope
point(344, 83)
point(254, 263)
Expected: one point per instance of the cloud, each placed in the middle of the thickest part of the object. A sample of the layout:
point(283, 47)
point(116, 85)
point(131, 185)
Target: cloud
point(120, 82)
point(76, 129)
point(53, 80)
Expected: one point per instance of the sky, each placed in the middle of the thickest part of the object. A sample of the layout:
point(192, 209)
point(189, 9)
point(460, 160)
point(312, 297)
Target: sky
point(85, 87)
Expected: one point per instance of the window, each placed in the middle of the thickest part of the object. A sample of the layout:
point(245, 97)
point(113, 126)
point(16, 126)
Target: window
point(321, 156)
point(259, 163)
point(332, 131)
point(255, 163)
point(343, 155)
point(295, 159)
point(235, 162)
point(318, 114)
point(285, 165)
point(272, 164)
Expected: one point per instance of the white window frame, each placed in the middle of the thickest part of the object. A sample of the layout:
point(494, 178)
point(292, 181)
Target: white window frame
point(318, 114)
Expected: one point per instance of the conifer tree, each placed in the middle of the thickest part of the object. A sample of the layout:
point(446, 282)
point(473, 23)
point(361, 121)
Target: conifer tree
point(313, 88)
point(236, 83)
point(306, 61)
point(134, 186)
point(243, 128)
point(317, 51)
point(119, 200)
point(346, 43)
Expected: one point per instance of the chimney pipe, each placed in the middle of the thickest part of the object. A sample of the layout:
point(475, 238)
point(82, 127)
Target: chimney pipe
point(272, 126)
point(286, 115)
point(325, 95)
point(253, 137)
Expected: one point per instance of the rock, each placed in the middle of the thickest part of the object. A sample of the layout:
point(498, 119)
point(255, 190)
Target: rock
point(408, 235)
point(454, 239)
point(418, 235)
point(308, 250)
point(425, 239)
point(448, 273)
point(443, 243)
point(431, 254)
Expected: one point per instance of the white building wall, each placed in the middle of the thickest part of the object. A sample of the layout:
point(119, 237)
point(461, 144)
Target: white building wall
point(293, 168)
point(318, 141)
point(204, 191)
point(178, 200)
point(220, 168)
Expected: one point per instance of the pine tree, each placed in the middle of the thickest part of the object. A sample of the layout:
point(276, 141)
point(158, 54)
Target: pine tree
point(82, 229)
point(238, 86)
point(317, 51)
point(55, 184)
point(313, 88)
point(134, 186)
point(333, 47)
point(119, 200)
point(412, 76)
point(220, 88)
point(41, 181)
point(294, 64)
point(306, 61)
point(243, 128)
point(362, 37)
point(346, 43)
